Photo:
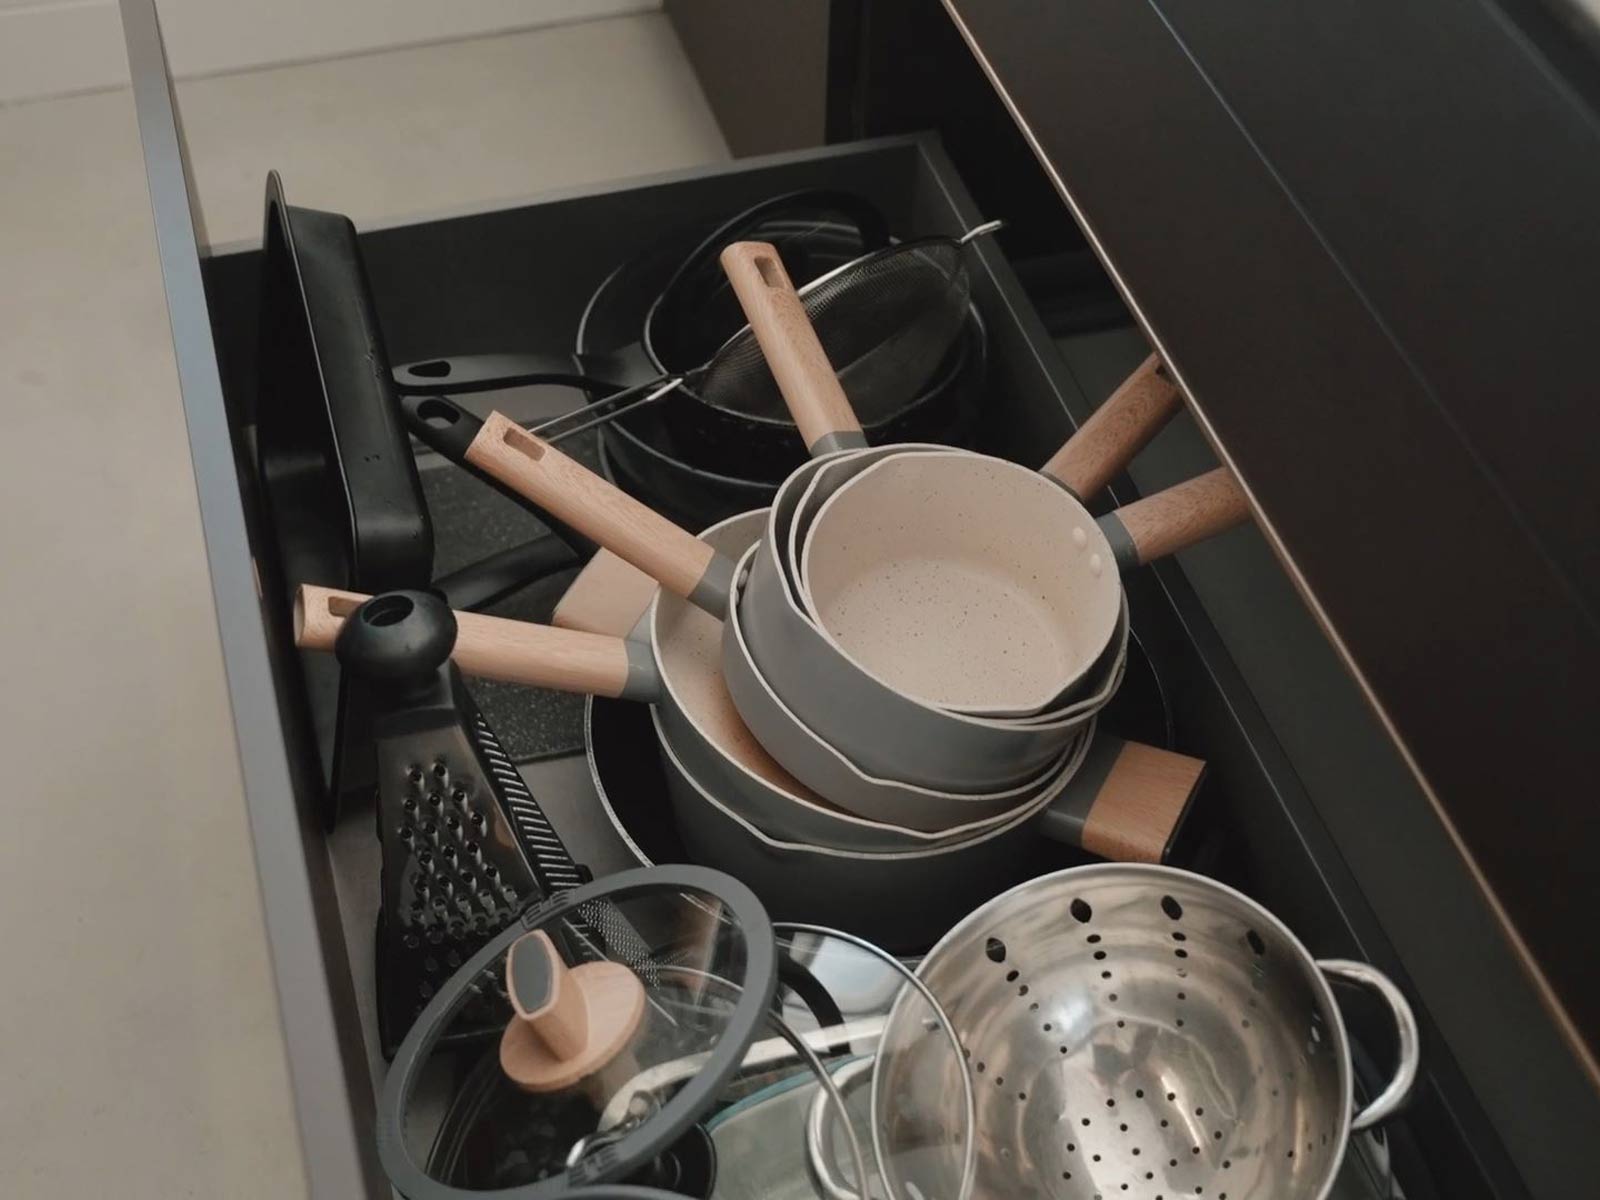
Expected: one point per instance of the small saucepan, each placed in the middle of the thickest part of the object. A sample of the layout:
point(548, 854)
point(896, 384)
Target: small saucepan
point(960, 582)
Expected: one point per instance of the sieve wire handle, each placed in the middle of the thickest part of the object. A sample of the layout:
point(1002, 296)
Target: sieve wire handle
point(1393, 1096)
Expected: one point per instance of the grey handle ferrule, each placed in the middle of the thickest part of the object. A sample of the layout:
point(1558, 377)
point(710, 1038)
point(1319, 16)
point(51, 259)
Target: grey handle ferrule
point(829, 443)
point(643, 682)
point(715, 586)
point(1123, 549)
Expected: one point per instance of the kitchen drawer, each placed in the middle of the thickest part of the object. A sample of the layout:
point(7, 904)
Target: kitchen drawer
point(515, 278)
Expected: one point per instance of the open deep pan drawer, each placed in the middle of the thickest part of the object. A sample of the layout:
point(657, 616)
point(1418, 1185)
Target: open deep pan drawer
point(516, 278)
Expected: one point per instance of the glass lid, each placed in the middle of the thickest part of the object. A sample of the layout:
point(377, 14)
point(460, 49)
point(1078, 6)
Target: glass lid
point(785, 1139)
point(617, 1015)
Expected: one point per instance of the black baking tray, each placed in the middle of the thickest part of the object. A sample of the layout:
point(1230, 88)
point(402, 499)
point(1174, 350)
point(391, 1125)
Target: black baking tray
point(516, 278)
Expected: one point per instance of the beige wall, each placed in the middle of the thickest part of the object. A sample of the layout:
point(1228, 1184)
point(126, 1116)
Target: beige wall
point(57, 47)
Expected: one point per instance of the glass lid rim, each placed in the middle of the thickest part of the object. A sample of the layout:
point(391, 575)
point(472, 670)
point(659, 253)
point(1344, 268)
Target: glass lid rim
point(639, 1145)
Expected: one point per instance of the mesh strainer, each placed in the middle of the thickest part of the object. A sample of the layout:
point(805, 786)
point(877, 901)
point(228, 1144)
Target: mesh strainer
point(887, 320)
point(1143, 1033)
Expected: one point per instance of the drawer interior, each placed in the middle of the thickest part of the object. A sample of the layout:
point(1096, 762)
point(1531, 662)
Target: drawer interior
point(515, 279)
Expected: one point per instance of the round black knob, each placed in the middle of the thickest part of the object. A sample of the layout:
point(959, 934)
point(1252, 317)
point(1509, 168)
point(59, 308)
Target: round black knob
point(397, 636)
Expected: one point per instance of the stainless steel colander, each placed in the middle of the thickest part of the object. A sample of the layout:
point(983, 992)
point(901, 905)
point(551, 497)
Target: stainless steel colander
point(1142, 1033)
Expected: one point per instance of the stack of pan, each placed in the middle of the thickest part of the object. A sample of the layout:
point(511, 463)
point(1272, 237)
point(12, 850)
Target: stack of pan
point(901, 661)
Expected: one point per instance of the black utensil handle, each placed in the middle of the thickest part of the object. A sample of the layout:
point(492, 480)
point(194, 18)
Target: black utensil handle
point(480, 584)
point(465, 374)
point(441, 423)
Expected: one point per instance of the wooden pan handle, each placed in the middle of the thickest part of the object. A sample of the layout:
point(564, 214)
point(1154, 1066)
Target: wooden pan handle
point(492, 647)
point(1138, 809)
point(531, 467)
point(1175, 519)
point(1121, 427)
point(608, 596)
point(809, 384)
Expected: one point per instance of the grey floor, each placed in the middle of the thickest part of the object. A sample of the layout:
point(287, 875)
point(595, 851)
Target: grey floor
point(138, 1026)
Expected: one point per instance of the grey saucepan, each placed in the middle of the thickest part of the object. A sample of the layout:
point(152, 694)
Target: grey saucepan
point(976, 601)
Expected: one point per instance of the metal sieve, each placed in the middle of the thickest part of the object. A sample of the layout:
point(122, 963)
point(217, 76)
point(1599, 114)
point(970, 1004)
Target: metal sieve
point(1143, 1033)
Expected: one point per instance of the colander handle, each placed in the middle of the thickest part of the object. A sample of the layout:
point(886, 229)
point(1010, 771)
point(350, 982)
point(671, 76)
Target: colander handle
point(1393, 1096)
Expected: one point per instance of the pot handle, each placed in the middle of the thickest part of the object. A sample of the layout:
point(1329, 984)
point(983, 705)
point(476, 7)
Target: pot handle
point(777, 317)
point(597, 508)
point(496, 648)
point(1393, 1096)
point(1175, 519)
point(1116, 431)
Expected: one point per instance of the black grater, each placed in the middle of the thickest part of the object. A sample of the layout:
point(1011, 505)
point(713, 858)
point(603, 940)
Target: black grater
point(465, 845)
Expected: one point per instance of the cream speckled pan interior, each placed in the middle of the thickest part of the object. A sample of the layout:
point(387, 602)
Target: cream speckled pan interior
point(962, 581)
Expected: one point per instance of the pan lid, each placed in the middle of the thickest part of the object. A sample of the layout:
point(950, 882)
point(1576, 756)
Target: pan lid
point(619, 1012)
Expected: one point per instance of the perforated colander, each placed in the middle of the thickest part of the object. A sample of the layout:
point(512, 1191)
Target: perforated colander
point(1144, 1033)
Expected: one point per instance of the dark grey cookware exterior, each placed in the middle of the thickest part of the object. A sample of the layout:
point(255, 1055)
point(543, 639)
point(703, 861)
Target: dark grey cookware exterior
point(900, 900)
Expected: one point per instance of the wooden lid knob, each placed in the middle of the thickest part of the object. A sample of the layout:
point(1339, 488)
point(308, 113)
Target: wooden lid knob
point(570, 1021)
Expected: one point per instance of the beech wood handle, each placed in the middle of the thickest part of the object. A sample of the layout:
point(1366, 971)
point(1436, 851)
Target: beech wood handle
point(1140, 804)
point(1115, 433)
point(608, 596)
point(1183, 515)
point(487, 647)
point(777, 317)
point(572, 493)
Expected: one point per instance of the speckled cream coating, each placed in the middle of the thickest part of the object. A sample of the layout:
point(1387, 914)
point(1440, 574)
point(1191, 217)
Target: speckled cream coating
point(963, 581)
